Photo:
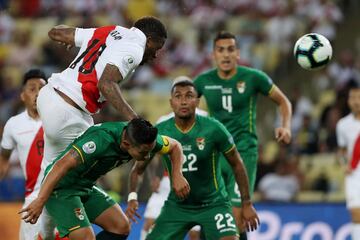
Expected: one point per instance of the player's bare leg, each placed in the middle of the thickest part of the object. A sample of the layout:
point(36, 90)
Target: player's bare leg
point(239, 223)
point(114, 222)
point(85, 233)
point(355, 218)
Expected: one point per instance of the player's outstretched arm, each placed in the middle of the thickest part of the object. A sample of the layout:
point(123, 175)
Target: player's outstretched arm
point(179, 182)
point(133, 204)
point(60, 168)
point(250, 218)
point(4, 162)
point(110, 89)
point(283, 133)
point(63, 34)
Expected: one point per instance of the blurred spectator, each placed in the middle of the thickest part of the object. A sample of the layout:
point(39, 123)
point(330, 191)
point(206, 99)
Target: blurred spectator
point(280, 186)
point(324, 18)
point(23, 54)
point(305, 141)
point(264, 166)
point(344, 70)
point(321, 183)
point(302, 105)
point(282, 29)
point(327, 131)
point(140, 8)
point(200, 15)
point(6, 26)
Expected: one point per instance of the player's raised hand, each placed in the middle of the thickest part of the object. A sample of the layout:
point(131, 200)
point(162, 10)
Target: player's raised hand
point(249, 216)
point(32, 211)
point(131, 210)
point(180, 186)
point(283, 135)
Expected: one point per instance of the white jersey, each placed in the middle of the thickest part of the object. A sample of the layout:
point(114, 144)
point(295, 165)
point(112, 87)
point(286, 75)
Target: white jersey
point(114, 45)
point(348, 136)
point(25, 135)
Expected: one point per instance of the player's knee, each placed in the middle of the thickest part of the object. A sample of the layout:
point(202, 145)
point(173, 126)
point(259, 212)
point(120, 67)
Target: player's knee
point(123, 228)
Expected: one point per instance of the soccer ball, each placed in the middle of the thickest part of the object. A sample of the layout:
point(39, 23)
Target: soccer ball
point(312, 51)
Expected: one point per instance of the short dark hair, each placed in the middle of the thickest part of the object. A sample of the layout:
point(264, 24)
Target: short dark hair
point(151, 27)
point(33, 73)
point(139, 131)
point(353, 85)
point(223, 35)
point(182, 81)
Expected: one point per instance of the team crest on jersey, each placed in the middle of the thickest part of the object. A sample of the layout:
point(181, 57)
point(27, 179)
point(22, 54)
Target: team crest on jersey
point(89, 147)
point(200, 142)
point(79, 214)
point(241, 87)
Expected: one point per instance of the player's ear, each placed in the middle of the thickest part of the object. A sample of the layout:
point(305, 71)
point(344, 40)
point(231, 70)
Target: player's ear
point(126, 143)
point(197, 102)
point(238, 54)
point(22, 96)
point(171, 103)
point(149, 42)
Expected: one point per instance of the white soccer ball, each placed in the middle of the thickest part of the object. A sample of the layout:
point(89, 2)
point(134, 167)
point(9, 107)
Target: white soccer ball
point(312, 51)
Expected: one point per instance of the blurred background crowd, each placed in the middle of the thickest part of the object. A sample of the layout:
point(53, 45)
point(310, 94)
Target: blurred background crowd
point(266, 31)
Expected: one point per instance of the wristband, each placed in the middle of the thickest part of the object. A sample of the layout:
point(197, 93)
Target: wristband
point(132, 196)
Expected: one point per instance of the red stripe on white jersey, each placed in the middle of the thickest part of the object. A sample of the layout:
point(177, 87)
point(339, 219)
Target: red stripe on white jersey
point(33, 161)
point(356, 154)
point(89, 80)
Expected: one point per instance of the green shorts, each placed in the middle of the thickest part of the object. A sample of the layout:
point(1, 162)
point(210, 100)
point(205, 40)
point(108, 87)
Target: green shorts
point(174, 222)
point(250, 162)
point(72, 209)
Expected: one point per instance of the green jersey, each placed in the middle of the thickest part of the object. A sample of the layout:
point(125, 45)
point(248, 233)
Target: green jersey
point(99, 149)
point(233, 102)
point(202, 145)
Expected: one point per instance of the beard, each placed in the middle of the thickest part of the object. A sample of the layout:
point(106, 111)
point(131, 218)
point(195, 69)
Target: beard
point(185, 117)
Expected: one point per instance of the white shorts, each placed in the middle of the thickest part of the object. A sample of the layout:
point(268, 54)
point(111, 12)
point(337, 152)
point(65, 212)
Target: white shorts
point(157, 199)
point(352, 190)
point(28, 231)
point(62, 123)
point(47, 226)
